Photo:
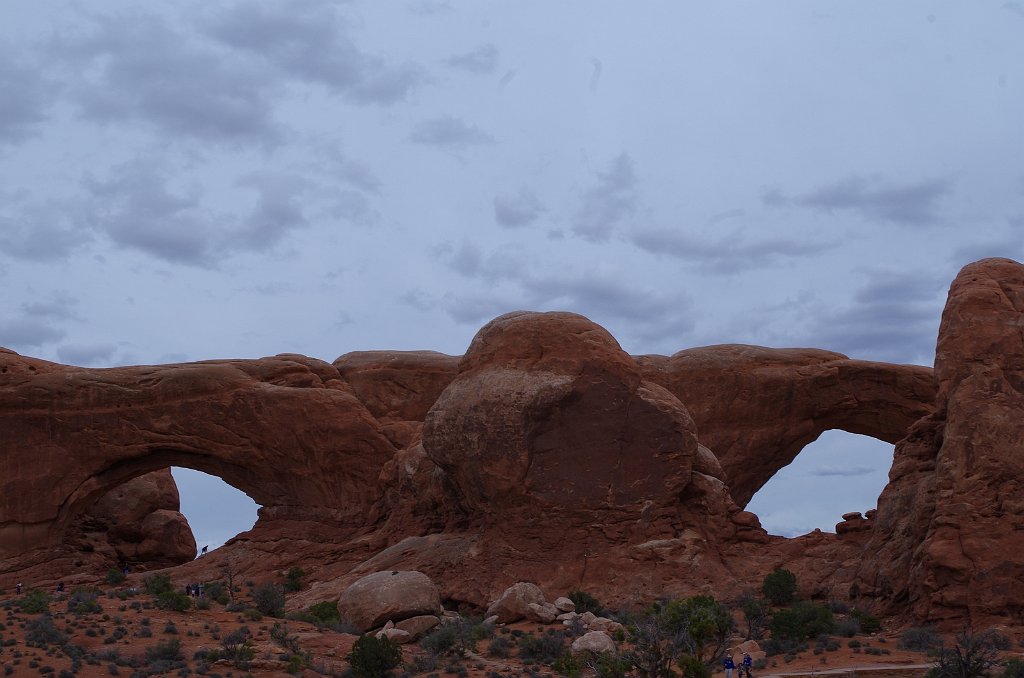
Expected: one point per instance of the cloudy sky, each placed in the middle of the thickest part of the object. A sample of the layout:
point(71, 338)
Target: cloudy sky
point(193, 180)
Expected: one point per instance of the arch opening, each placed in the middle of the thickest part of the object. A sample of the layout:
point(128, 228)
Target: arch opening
point(838, 473)
point(215, 510)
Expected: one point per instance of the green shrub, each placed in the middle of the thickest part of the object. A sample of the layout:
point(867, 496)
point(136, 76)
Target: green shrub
point(83, 601)
point(1013, 668)
point(172, 600)
point(216, 591)
point(499, 647)
point(269, 599)
point(155, 584)
point(920, 639)
point(609, 665)
point(238, 645)
point(114, 576)
point(294, 580)
point(585, 602)
point(325, 612)
point(693, 667)
point(373, 657)
point(454, 637)
point(167, 650)
point(779, 586)
point(34, 602)
point(847, 628)
point(568, 665)
point(868, 622)
point(42, 632)
point(803, 620)
point(542, 649)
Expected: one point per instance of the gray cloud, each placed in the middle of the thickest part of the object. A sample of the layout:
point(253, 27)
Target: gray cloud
point(609, 202)
point(729, 254)
point(873, 198)
point(449, 132)
point(309, 41)
point(1010, 246)
point(844, 471)
point(26, 96)
point(513, 211)
point(87, 355)
point(481, 61)
point(41, 231)
point(158, 75)
point(894, 318)
point(138, 207)
point(21, 333)
point(58, 307)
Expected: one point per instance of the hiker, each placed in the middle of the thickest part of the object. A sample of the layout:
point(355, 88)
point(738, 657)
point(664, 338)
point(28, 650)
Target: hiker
point(18, 587)
point(728, 665)
point(203, 552)
point(747, 661)
point(60, 587)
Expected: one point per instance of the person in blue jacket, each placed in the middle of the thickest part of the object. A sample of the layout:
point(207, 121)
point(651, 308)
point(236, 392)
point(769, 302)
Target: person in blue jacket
point(747, 661)
point(728, 665)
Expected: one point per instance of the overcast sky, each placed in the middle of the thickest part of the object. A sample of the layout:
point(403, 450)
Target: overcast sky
point(198, 180)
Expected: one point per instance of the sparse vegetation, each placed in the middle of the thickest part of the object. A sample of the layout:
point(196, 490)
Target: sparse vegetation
point(268, 599)
point(585, 602)
point(973, 655)
point(373, 657)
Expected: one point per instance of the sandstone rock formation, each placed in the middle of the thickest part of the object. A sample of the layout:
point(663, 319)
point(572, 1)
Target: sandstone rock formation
point(138, 523)
point(545, 454)
point(388, 596)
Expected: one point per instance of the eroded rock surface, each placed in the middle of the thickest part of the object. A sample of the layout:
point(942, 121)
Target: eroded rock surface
point(546, 454)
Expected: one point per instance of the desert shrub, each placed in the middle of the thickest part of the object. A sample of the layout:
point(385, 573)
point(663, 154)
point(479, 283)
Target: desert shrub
point(973, 655)
point(568, 665)
point(172, 600)
point(608, 665)
point(34, 602)
point(542, 649)
point(838, 607)
point(693, 667)
point(779, 586)
point(165, 650)
point(847, 628)
point(423, 663)
point(702, 624)
point(854, 644)
point(269, 599)
point(877, 650)
point(238, 645)
point(585, 602)
point(83, 601)
point(454, 637)
point(325, 612)
point(920, 639)
point(868, 622)
point(293, 581)
point(1013, 668)
point(114, 576)
point(42, 632)
point(155, 584)
point(297, 663)
point(216, 591)
point(803, 620)
point(373, 657)
point(499, 647)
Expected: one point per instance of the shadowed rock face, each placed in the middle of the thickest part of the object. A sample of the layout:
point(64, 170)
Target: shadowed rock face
point(949, 536)
point(546, 454)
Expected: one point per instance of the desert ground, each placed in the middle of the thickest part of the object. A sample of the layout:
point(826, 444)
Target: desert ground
point(123, 630)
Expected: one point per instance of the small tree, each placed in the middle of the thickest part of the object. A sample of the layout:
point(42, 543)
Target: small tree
point(779, 586)
point(974, 655)
point(269, 599)
point(294, 581)
point(756, 616)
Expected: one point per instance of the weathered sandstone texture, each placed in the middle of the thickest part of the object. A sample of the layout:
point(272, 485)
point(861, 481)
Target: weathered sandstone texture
point(545, 454)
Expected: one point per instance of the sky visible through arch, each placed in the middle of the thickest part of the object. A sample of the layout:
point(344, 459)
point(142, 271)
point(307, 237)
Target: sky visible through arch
point(186, 181)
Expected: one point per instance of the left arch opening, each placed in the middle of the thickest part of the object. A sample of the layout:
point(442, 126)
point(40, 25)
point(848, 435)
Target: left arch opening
point(215, 510)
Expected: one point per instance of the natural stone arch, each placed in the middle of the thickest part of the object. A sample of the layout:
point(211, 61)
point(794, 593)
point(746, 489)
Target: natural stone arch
point(757, 407)
point(286, 430)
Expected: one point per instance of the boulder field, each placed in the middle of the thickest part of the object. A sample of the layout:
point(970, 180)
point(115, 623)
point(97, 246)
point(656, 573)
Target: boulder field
point(545, 454)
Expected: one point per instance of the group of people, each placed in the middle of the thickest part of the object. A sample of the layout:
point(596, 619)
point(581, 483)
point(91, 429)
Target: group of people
point(195, 590)
point(728, 664)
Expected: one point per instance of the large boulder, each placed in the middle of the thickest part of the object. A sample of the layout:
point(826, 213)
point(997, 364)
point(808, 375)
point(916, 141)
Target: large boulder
point(514, 602)
point(388, 596)
point(548, 410)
